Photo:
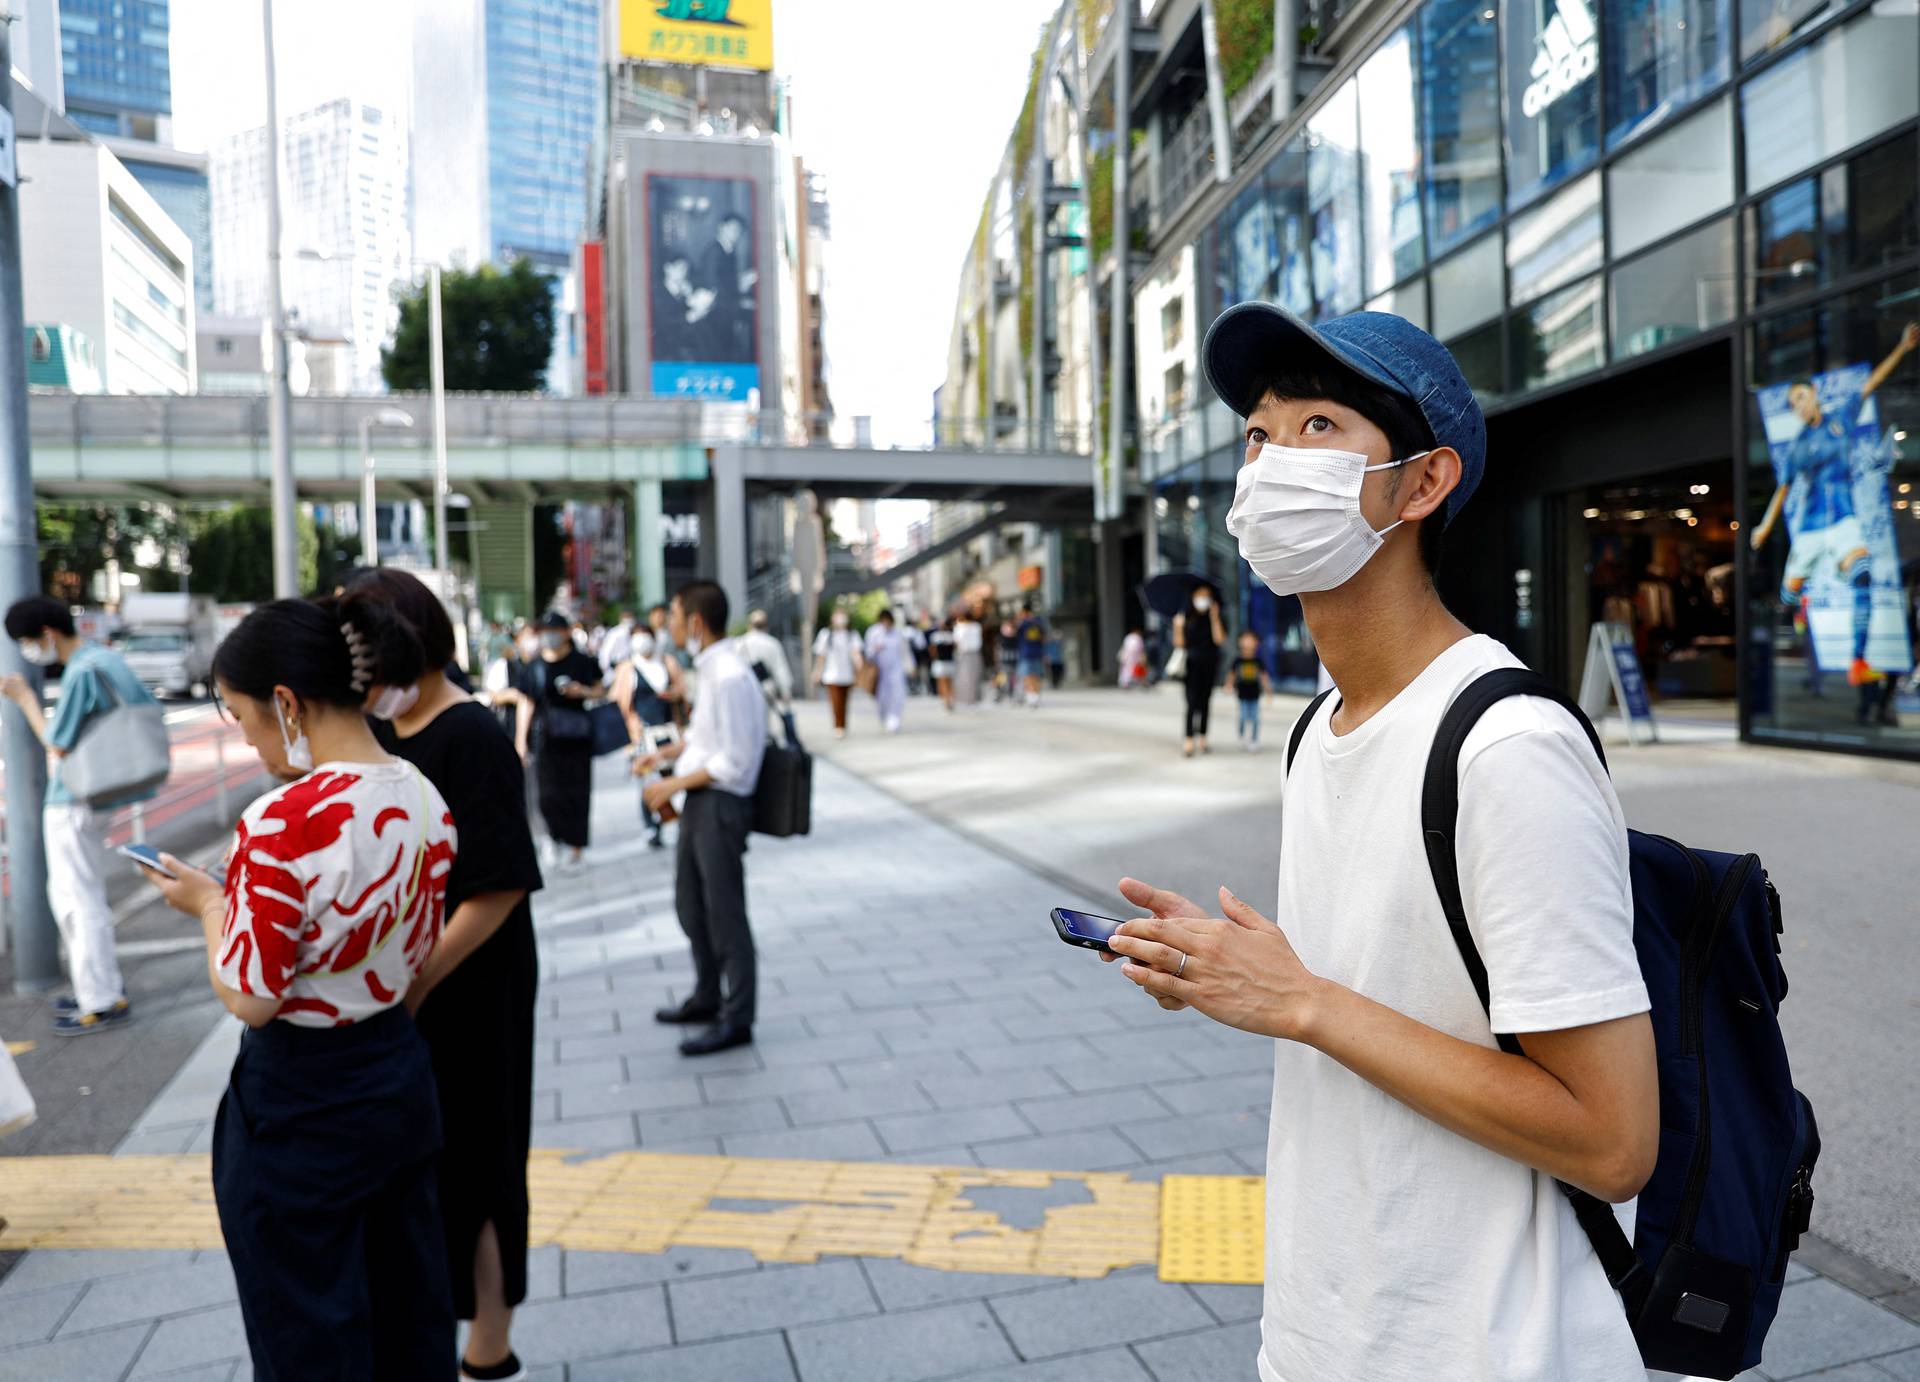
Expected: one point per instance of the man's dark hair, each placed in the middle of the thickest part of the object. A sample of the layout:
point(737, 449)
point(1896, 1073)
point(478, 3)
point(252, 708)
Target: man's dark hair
point(30, 617)
point(735, 217)
point(1026, 607)
point(419, 606)
point(886, 614)
point(1394, 414)
point(707, 600)
point(655, 609)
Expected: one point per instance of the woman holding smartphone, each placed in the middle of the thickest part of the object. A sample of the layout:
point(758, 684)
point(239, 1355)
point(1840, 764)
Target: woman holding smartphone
point(474, 998)
point(555, 724)
point(324, 1147)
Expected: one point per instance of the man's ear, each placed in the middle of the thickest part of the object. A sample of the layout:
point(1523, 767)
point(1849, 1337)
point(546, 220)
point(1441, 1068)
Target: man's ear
point(1439, 475)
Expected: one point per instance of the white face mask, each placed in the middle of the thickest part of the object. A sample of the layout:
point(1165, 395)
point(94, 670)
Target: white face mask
point(1203, 603)
point(37, 654)
point(1296, 513)
point(299, 751)
point(393, 702)
point(695, 643)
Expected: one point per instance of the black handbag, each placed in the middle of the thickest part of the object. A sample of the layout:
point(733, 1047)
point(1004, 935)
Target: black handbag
point(609, 729)
point(563, 724)
point(783, 798)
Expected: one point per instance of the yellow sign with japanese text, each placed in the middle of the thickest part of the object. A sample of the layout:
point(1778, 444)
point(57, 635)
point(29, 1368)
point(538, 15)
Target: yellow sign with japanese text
point(717, 33)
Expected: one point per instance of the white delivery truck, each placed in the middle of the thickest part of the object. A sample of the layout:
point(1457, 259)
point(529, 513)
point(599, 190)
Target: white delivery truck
point(168, 640)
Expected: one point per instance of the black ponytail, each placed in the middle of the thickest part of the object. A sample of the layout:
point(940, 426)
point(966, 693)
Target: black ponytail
point(334, 649)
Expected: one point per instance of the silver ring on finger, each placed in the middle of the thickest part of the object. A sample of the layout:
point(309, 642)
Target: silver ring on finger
point(1183, 965)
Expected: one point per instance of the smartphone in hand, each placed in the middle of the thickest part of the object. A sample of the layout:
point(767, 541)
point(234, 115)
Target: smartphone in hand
point(148, 857)
point(1084, 928)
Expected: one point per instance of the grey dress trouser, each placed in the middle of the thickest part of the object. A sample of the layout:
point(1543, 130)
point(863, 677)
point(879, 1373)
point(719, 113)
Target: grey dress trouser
point(710, 894)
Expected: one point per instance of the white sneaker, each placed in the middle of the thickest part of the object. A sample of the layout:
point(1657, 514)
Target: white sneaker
point(892, 726)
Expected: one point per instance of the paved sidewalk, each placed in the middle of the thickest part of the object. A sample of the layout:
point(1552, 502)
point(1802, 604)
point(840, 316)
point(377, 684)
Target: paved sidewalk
point(915, 1008)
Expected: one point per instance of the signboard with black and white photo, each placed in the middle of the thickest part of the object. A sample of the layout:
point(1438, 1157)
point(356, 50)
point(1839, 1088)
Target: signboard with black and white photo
point(703, 279)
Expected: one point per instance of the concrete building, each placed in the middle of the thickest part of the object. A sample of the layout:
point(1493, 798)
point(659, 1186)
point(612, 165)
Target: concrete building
point(100, 256)
point(118, 78)
point(343, 182)
point(1637, 233)
point(62, 360)
point(182, 184)
point(234, 357)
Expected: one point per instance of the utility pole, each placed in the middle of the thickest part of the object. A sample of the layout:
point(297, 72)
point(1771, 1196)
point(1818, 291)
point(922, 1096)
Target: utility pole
point(36, 944)
point(439, 366)
point(286, 536)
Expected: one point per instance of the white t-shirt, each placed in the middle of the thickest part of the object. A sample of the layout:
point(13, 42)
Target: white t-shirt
point(1398, 1251)
point(836, 647)
point(967, 636)
point(336, 891)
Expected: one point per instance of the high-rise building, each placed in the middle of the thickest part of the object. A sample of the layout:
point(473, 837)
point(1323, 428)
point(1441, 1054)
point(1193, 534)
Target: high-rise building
point(505, 101)
point(343, 175)
point(115, 62)
point(179, 181)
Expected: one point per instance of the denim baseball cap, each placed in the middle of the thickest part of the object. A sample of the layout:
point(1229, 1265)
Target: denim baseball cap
point(1250, 342)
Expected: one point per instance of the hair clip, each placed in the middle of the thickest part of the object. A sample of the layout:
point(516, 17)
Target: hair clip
point(362, 658)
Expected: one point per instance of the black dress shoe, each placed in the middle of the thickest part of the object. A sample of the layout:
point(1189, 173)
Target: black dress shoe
point(724, 1037)
point(688, 1011)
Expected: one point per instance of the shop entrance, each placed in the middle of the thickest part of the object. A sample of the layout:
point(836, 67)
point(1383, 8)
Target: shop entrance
point(1656, 555)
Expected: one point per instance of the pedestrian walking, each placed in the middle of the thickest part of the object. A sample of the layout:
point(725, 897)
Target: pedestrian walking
point(716, 768)
point(616, 644)
point(1415, 1227)
point(556, 728)
point(919, 675)
point(1133, 660)
point(759, 648)
point(1030, 652)
point(1198, 633)
point(325, 1145)
point(837, 661)
point(473, 999)
point(1056, 659)
point(73, 833)
point(886, 649)
point(640, 689)
point(968, 657)
point(941, 661)
point(1006, 685)
point(1248, 681)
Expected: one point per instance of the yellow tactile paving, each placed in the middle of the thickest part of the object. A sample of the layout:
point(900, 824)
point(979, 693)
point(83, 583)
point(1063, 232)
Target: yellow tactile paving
point(646, 1202)
point(19, 1048)
point(1213, 1228)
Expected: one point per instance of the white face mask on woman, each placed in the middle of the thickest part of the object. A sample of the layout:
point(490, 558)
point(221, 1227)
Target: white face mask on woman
point(1296, 514)
point(393, 702)
point(299, 751)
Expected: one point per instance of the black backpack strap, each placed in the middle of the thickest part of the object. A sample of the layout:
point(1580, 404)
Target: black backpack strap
point(1439, 818)
point(1300, 727)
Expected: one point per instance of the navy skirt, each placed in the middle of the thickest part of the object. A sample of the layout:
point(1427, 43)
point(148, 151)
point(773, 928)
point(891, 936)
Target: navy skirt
point(323, 1172)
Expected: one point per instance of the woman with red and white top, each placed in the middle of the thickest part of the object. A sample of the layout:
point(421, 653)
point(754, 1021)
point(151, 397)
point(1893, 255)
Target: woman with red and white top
point(324, 1149)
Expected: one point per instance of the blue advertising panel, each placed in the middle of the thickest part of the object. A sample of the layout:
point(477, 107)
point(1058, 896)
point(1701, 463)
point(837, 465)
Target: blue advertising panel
point(1831, 460)
point(703, 277)
point(1633, 686)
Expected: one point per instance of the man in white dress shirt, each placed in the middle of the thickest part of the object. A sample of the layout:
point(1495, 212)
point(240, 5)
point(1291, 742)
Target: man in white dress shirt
point(717, 766)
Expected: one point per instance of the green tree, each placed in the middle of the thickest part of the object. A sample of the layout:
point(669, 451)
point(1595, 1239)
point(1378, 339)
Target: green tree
point(231, 551)
point(78, 540)
point(499, 331)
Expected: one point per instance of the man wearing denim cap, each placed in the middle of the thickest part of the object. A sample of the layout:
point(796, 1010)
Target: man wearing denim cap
point(1414, 1229)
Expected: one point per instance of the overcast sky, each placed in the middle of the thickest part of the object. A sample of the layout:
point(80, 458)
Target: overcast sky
point(905, 109)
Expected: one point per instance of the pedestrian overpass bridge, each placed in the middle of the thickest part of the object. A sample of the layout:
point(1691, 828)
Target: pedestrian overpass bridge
point(507, 453)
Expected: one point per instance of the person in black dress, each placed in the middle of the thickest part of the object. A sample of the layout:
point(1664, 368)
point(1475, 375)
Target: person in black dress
point(473, 999)
point(554, 723)
point(1198, 629)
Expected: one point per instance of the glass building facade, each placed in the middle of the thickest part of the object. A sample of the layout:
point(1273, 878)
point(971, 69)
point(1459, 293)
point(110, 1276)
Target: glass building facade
point(1675, 247)
point(114, 63)
point(185, 194)
point(542, 67)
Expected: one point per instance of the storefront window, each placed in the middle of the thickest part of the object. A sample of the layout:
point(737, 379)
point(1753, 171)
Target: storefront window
point(1333, 199)
point(1679, 290)
point(1766, 24)
point(1409, 300)
point(1844, 89)
point(1833, 480)
point(1478, 355)
point(1390, 158)
point(1552, 95)
point(1467, 288)
point(1460, 119)
point(1556, 242)
point(1558, 337)
point(1286, 179)
point(1847, 220)
point(1673, 180)
point(1660, 55)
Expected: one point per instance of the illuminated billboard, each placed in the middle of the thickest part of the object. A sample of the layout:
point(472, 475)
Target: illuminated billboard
point(717, 33)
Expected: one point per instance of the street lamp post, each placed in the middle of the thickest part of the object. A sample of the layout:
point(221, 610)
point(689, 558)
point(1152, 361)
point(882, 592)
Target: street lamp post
point(384, 417)
point(286, 548)
point(438, 356)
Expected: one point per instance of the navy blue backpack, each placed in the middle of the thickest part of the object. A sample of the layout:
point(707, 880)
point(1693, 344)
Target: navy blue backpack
point(1732, 1190)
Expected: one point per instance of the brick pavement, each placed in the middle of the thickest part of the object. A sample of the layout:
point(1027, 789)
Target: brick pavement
point(915, 1008)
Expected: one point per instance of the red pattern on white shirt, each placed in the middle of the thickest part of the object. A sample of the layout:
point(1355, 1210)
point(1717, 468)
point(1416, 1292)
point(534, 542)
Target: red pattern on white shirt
point(321, 872)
